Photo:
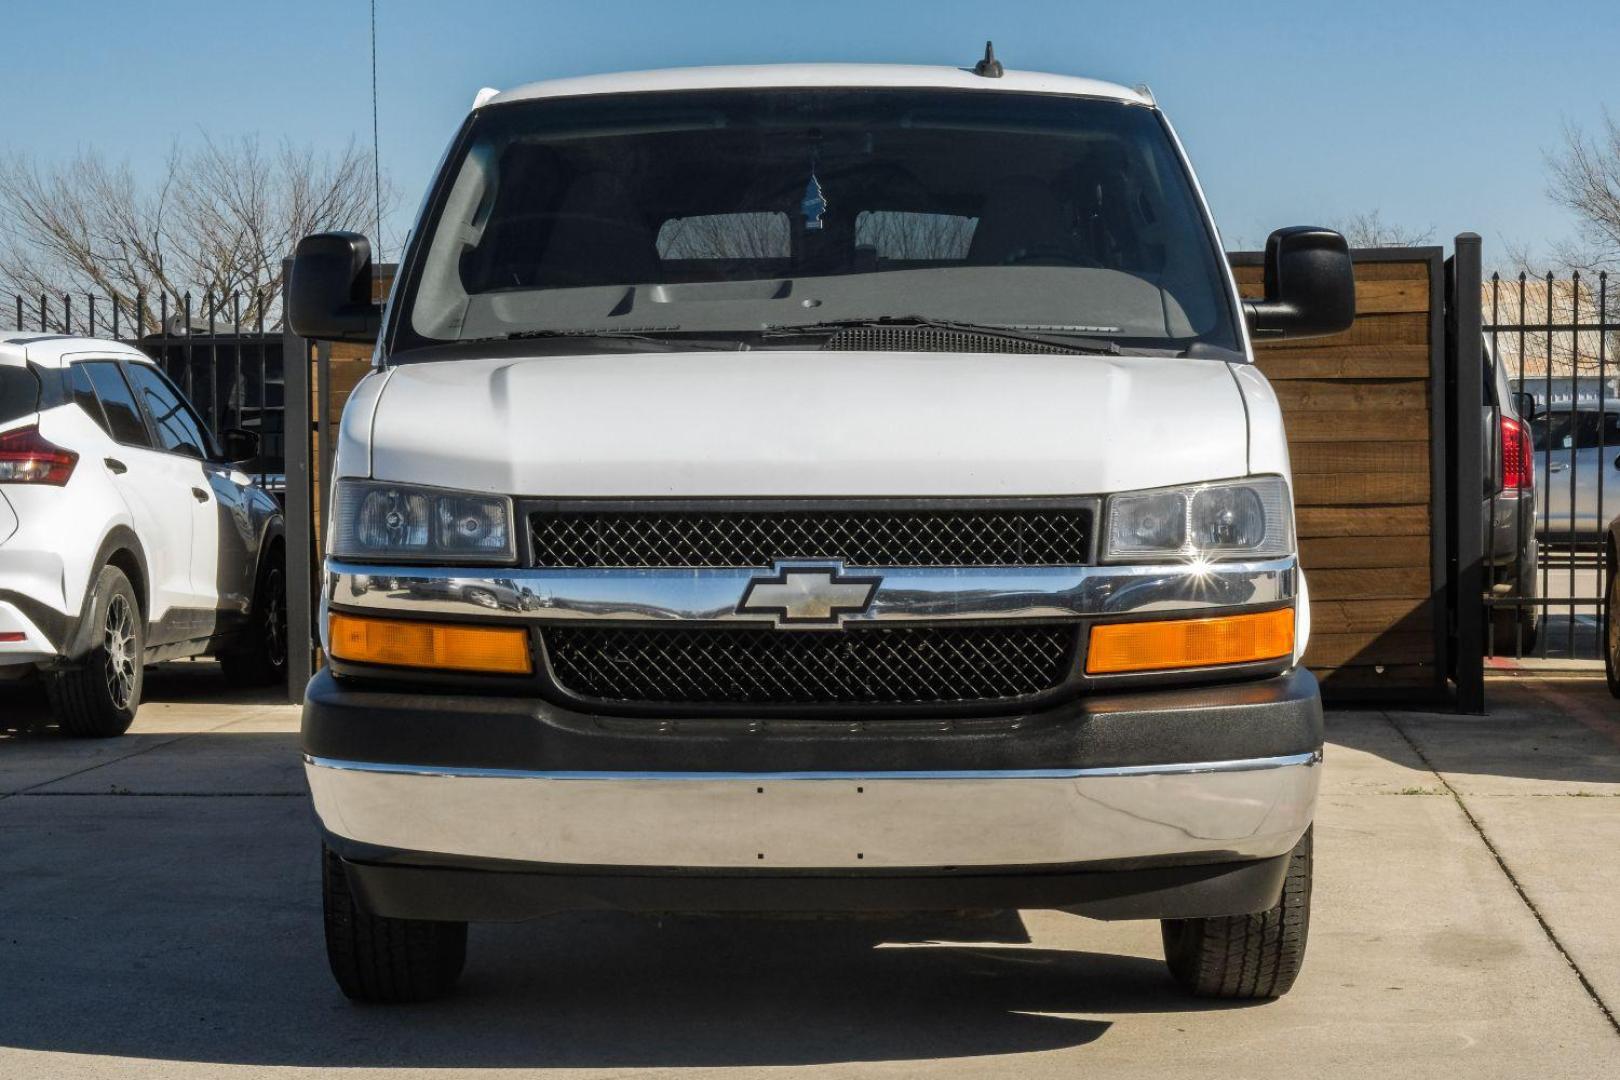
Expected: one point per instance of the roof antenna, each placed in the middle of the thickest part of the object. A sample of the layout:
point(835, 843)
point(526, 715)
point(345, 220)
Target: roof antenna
point(989, 67)
point(376, 153)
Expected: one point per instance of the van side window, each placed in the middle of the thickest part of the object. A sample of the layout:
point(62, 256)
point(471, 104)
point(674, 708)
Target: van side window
point(176, 426)
point(123, 415)
point(744, 235)
point(901, 236)
point(84, 396)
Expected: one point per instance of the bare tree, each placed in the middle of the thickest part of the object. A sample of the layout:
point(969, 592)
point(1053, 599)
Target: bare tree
point(216, 223)
point(924, 237)
point(1370, 230)
point(745, 235)
point(1584, 177)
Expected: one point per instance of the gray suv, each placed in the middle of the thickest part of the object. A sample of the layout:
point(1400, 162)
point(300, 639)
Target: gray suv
point(1510, 513)
point(1576, 458)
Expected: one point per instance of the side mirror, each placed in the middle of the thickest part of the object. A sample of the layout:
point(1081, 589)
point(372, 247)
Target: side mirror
point(239, 444)
point(329, 293)
point(1310, 285)
point(1524, 403)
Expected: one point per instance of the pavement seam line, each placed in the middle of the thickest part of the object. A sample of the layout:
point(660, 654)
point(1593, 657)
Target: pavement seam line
point(116, 760)
point(1501, 864)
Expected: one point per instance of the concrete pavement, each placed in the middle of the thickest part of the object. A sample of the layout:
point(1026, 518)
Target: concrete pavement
point(159, 916)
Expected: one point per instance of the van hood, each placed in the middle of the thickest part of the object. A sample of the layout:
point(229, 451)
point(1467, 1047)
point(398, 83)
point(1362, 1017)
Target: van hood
point(791, 424)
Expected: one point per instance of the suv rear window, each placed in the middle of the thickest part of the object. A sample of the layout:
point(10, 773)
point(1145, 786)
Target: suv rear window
point(19, 393)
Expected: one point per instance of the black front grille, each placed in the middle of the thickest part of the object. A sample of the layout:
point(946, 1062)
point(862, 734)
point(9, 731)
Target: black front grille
point(907, 666)
point(989, 536)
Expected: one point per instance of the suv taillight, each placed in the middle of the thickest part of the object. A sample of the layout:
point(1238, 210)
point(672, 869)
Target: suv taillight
point(27, 457)
point(1518, 456)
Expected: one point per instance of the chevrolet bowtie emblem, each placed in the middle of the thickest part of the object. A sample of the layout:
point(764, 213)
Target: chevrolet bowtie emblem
point(808, 596)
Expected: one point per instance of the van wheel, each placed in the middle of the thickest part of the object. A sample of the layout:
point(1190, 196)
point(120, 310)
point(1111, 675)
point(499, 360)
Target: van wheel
point(380, 959)
point(263, 660)
point(98, 699)
point(1246, 956)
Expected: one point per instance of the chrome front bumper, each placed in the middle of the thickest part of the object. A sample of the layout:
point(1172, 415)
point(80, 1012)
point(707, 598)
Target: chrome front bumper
point(1224, 811)
point(905, 594)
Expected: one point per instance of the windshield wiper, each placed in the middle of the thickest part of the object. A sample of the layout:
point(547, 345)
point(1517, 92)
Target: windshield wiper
point(1056, 337)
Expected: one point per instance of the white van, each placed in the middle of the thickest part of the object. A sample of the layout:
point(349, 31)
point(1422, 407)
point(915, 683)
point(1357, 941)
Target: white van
point(815, 488)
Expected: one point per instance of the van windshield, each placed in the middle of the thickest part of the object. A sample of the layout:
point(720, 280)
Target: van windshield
point(767, 216)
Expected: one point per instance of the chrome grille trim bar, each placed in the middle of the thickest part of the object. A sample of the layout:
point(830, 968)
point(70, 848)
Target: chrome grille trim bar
point(906, 595)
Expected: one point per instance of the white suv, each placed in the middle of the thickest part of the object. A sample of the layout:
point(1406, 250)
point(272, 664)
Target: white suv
point(126, 534)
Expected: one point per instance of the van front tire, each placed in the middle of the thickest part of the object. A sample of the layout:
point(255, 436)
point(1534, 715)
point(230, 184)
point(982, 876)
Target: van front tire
point(379, 959)
point(98, 698)
point(1246, 956)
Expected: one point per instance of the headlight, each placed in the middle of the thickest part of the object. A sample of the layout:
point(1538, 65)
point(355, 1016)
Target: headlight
point(1231, 519)
point(401, 523)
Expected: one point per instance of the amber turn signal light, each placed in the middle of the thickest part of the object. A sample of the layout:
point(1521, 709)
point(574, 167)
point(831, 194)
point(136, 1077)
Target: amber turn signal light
point(1184, 643)
point(445, 646)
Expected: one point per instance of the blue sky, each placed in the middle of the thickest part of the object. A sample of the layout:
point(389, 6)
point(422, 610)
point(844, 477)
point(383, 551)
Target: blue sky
point(1435, 113)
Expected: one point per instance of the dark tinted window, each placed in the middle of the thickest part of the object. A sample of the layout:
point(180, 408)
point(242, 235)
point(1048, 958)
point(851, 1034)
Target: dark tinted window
point(177, 427)
point(123, 415)
point(19, 393)
point(84, 395)
point(1585, 430)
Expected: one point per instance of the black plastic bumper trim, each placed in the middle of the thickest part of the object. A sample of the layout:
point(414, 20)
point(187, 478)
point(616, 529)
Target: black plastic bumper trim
point(1269, 717)
point(447, 892)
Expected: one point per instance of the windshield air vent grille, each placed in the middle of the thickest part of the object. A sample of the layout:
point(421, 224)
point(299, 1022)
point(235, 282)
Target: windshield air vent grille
point(933, 339)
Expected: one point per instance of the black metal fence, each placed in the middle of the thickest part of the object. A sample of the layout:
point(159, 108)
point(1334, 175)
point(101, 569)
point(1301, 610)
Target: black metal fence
point(230, 365)
point(1555, 340)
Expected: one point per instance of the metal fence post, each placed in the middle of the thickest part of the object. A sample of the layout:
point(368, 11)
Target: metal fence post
point(1465, 353)
point(302, 559)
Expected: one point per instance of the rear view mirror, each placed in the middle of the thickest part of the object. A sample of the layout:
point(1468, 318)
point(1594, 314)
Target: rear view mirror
point(329, 292)
point(1310, 285)
point(1524, 404)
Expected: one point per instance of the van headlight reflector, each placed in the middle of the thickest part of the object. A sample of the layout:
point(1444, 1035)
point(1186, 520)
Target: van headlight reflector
point(498, 650)
point(1248, 518)
point(1166, 644)
point(399, 522)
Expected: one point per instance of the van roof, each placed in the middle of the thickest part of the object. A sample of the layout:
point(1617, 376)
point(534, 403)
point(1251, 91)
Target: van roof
point(51, 350)
point(818, 75)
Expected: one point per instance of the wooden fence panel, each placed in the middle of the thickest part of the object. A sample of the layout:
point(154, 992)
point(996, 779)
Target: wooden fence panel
point(1357, 407)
